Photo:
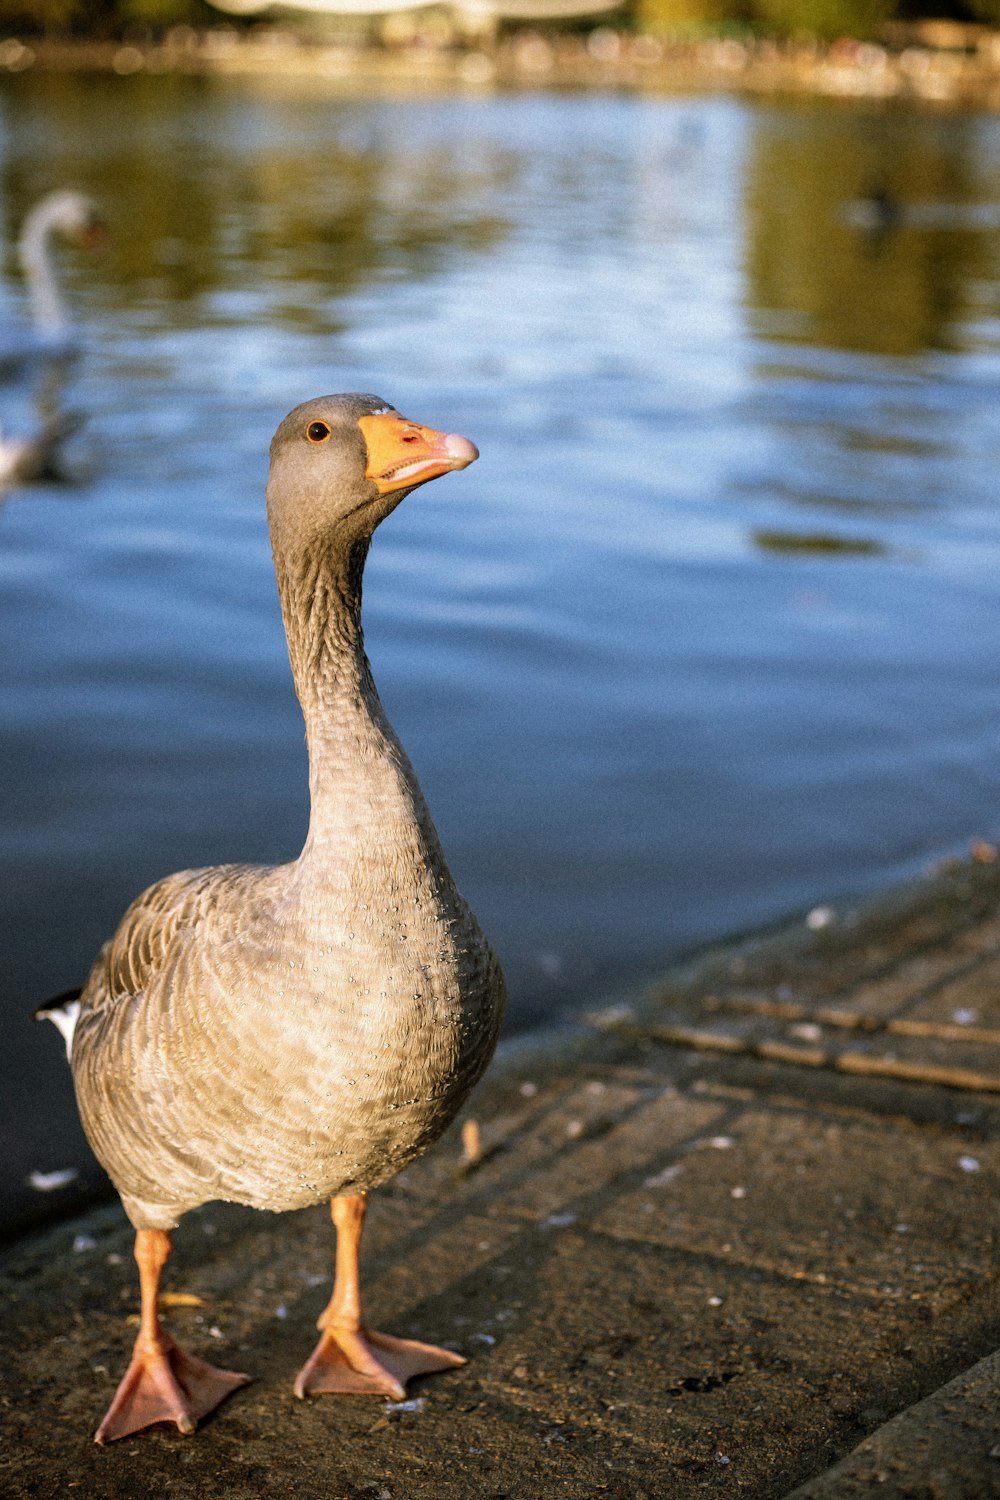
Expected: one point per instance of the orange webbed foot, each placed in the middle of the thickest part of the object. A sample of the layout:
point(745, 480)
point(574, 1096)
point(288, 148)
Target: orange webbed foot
point(166, 1384)
point(367, 1363)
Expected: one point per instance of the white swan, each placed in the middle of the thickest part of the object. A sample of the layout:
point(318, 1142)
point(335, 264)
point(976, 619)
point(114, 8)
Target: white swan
point(73, 216)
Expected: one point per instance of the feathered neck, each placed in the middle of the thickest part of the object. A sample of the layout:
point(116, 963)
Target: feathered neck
point(358, 771)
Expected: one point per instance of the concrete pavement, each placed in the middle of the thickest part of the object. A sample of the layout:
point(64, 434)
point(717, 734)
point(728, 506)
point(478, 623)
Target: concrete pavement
point(715, 1240)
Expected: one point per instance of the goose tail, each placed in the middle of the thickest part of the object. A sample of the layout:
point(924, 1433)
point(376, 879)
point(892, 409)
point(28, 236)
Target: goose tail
point(62, 1010)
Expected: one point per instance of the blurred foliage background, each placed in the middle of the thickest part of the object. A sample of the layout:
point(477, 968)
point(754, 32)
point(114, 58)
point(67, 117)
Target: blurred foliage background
point(822, 20)
point(101, 18)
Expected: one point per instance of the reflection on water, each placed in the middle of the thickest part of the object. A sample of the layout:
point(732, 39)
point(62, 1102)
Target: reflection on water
point(862, 226)
point(708, 635)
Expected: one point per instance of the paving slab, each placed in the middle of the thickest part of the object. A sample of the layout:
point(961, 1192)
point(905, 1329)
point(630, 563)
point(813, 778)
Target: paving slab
point(676, 1270)
point(943, 1448)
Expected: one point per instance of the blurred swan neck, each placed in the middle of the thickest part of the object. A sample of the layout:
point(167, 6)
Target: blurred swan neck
point(47, 304)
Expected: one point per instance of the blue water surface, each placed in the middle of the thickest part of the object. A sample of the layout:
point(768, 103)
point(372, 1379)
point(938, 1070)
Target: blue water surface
point(710, 633)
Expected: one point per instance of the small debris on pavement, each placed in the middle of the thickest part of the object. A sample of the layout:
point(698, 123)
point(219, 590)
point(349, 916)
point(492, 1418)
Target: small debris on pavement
point(610, 1017)
point(968, 1163)
point(47, 1182)
point(559, 1221)
point(806, 1031)
point(661, 1179)
point(820, 917)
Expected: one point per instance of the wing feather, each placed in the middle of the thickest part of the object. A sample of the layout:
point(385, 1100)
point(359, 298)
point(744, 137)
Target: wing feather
point(149, 934)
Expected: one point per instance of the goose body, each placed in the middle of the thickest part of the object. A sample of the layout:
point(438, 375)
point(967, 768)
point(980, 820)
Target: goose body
point(279, 1035)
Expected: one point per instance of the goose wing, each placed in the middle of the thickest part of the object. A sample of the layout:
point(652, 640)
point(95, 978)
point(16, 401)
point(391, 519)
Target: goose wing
point(151, 933)
point(149, 1065)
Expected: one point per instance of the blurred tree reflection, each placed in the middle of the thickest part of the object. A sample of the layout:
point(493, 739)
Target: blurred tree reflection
point(888, 287)
point(826, 19)
point(293, 197)
point(48, 15)
point(823, 18)
point(102, 17)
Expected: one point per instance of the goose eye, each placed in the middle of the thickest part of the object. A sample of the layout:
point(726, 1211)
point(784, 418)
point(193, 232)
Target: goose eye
point(317, 432)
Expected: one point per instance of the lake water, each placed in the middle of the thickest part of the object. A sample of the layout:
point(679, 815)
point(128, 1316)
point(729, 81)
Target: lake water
point(709, 635)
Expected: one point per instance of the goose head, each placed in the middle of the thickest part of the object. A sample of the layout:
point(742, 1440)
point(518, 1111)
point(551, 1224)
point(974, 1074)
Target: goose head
point(341, 464)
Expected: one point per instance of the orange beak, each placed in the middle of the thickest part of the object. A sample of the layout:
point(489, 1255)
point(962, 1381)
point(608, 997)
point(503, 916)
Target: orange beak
point(402, 454)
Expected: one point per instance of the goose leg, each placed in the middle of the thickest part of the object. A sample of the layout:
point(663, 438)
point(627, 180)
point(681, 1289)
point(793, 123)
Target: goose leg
point(350, 1357)
point(162, 1382)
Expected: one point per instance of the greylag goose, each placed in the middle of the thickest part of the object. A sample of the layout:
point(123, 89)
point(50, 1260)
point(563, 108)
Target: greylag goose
point(281, 1035)
point(70, 215)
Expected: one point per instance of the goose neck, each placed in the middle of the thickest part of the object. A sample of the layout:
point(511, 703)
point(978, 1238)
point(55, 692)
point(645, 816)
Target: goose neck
point(355, 760)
